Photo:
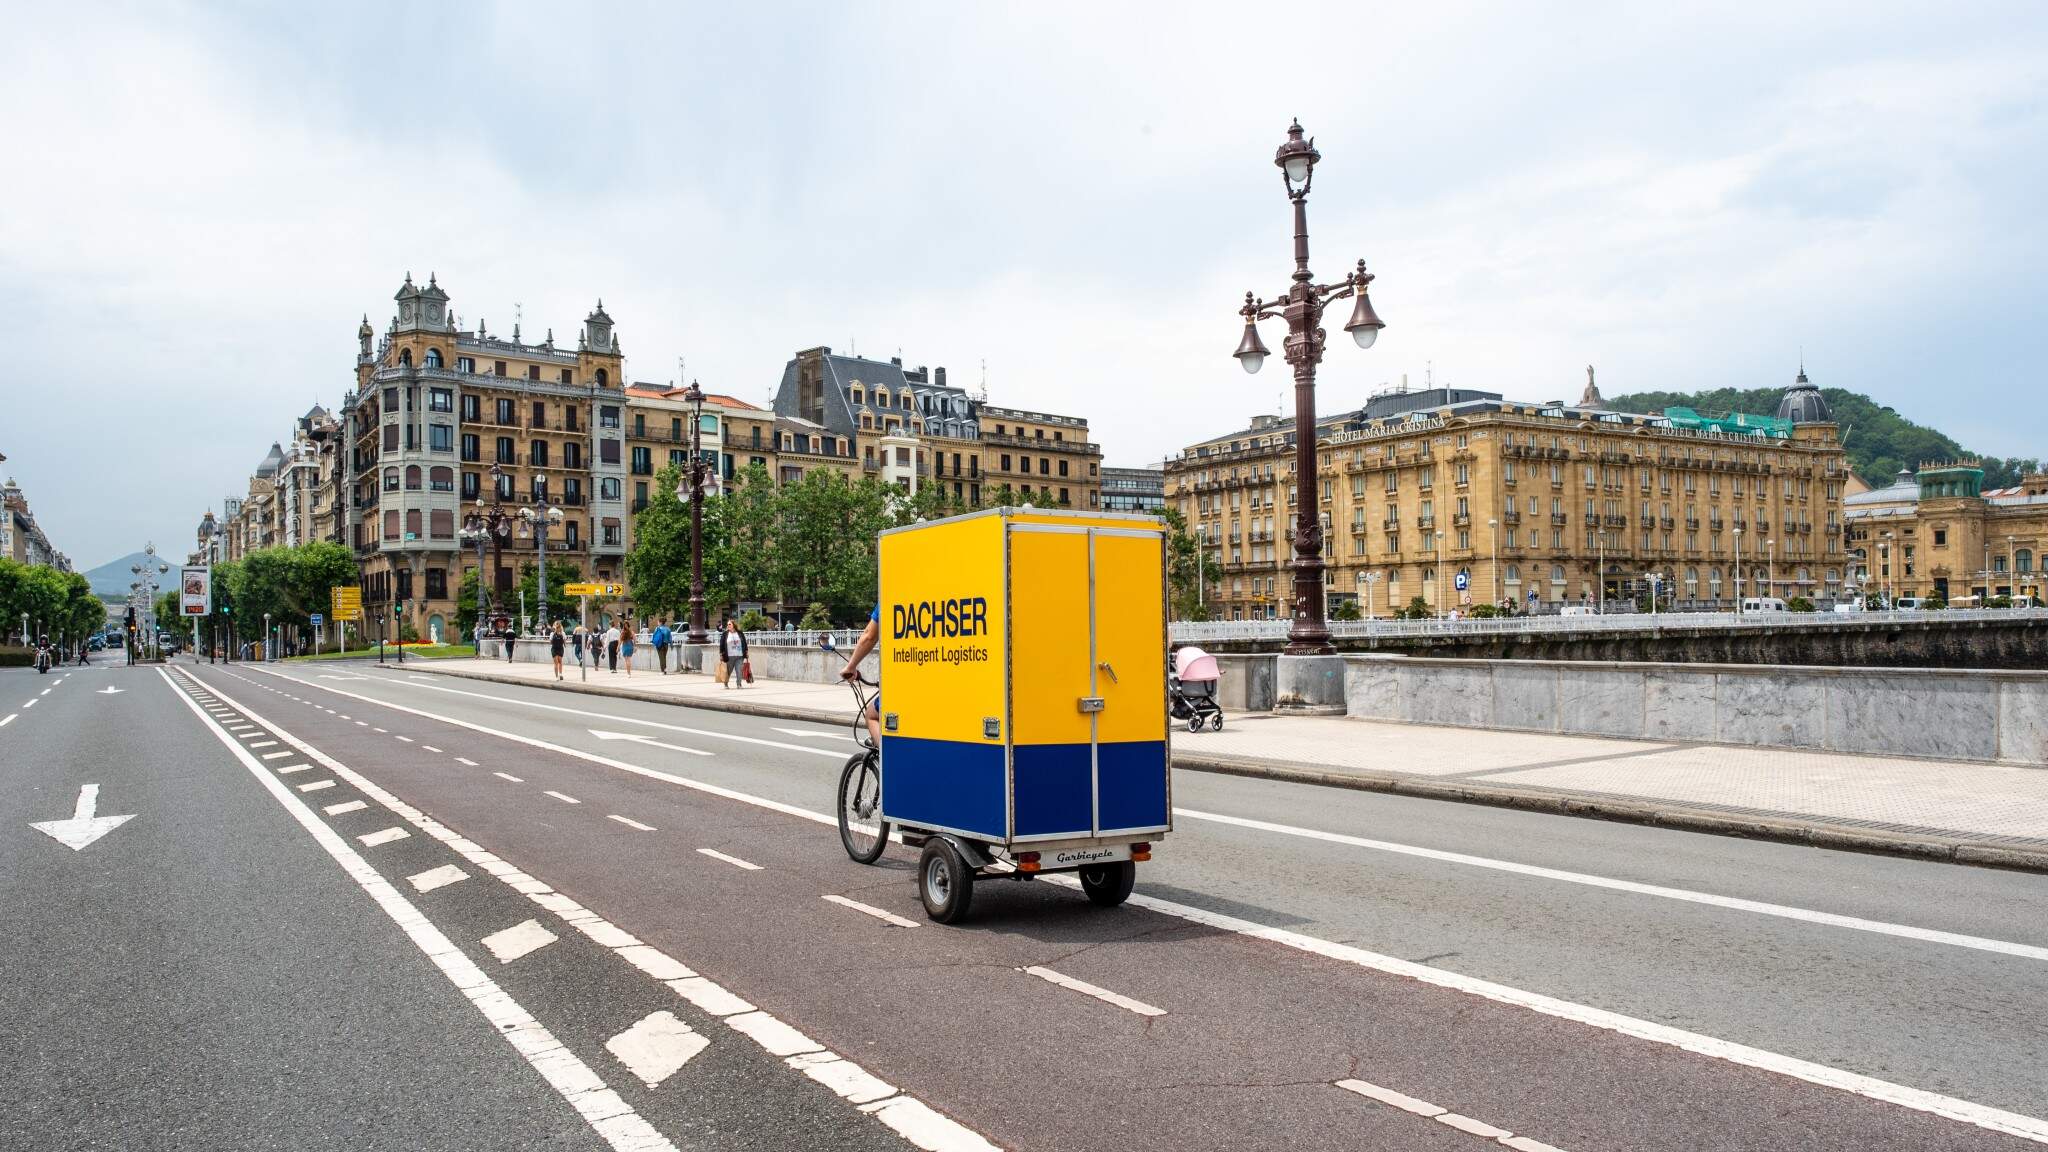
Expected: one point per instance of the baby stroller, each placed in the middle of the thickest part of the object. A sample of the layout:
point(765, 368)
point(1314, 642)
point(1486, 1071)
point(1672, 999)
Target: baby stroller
point(1191, 690)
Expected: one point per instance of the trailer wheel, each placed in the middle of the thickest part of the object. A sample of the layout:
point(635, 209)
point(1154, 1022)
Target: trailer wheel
point(944, 881)
point(1108, 885)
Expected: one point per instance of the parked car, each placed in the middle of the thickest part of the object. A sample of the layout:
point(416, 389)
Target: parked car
point(1763, 604)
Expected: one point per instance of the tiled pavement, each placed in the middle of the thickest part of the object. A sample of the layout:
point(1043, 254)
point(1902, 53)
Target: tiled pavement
point(1968, 800)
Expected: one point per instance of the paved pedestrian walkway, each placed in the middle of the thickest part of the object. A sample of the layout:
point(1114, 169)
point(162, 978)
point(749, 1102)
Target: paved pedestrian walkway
point(1897, 804)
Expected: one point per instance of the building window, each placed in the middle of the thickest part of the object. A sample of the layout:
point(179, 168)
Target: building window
point(441, 437)
point(440, 400)
point(572, 490)
point(539, 487)
point(412, 478)
point(1044, 466)
point(611, 534)
point(642, 465)
point(1940, 537)
point(437, 583)
point(569, 417)
point(498, 368)
point(540, 414)
point(507, 414)
point(608, 488)
point(442, 478)
point(2023, 561)
point(1006, 461)
point(608, 416)
point(472, 450)
point(537, 454)
point(639, 495)
point(391, 437)
point(413, 531)
point(472, 408)
point(391, 479)
point(572, 455)
point(506, 453)
point(1063, 469)
point(608, 451)
point(465, 363)
point(470, 486)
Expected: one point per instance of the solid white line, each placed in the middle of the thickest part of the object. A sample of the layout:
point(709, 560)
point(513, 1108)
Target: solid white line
point(611, 1117)
point(817, 735)
point(384, 836)
point(434, 878)
point(562, 798)
point(316, 785)
point(1087, 989)
point(518, 940)
point(508, 776)
point(1830, 919)
point(348, 806)
point(735, 861)
point(871, 910)
point(630, 823)
point(656, 1046)
point(772, 1034)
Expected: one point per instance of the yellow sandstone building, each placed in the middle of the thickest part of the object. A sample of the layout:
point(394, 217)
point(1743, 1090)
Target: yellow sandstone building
point(1462, 498)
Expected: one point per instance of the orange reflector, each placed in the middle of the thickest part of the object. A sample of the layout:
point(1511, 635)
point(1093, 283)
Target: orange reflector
point(1027, 865)
point(1139, 857)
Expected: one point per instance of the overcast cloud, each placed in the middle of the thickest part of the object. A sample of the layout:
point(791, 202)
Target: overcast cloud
point(202, 203)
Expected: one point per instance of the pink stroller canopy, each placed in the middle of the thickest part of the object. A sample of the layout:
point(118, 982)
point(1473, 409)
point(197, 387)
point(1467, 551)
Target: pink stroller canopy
point(1195, 664)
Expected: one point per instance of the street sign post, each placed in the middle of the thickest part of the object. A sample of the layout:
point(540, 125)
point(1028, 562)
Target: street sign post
point(602, 591)
point(195, 591)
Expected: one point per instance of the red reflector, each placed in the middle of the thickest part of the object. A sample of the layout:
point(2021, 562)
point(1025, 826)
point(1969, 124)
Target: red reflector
point(1027, 857)
point(1027, 865)
point(1141, 848)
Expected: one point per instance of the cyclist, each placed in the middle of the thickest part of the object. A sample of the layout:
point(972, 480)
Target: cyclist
point(869, 636)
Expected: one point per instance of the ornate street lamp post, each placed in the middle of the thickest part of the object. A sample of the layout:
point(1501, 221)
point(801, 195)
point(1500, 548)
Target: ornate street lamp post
point(697, 633)
point(537, 520)
point(486, 526)
point(1302, 306)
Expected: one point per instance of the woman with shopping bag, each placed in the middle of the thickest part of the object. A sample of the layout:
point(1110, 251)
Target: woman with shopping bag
point(732, 655)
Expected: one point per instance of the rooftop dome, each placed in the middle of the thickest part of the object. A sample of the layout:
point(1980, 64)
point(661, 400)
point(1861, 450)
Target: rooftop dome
point(1803, 403)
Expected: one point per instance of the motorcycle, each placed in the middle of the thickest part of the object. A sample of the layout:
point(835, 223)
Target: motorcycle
point(42, 660)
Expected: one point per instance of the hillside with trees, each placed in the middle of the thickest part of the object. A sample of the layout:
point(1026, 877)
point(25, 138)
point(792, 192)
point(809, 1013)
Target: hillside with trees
point(1880, 441)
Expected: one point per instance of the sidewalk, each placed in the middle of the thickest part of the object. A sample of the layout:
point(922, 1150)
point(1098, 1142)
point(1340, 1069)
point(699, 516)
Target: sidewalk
point(1964, 812)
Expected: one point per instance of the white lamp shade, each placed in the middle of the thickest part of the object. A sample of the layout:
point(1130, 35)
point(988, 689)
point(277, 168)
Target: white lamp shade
point(1297, 169)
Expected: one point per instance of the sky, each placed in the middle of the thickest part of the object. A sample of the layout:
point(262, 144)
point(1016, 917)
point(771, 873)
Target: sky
point(1067, 201)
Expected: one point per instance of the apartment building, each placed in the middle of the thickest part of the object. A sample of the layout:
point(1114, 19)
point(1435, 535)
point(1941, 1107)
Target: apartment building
point(21, 538)
point(1463, 497)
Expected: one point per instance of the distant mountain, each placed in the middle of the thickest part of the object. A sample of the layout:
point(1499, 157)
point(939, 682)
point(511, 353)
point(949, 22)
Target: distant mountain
point(110, 580)
point(1880, 441)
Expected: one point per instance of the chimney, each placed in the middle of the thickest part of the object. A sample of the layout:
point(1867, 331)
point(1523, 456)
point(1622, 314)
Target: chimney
point(896, 360)
point(939, 376)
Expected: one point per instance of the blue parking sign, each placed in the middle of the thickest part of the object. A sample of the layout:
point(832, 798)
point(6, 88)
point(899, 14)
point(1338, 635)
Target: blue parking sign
point(318, 619)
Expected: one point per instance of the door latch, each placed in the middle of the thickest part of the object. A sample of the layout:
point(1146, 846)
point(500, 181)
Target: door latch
point(1091, 703)
point(1106, 668)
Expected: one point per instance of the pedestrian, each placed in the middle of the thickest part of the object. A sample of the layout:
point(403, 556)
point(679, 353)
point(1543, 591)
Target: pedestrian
point(732, 653)
point(626, 644)
point(662, 639)
point(555, 644)
point(611, 646)
point(509, 636)
point(578, 638)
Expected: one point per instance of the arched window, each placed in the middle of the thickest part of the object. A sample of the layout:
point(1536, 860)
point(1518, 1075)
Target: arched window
point(433, 357)
point(602, 378)
point(1692, 580)
point(1713, 583)
point(405, 358)
point(1514, 575)
point(1557, 573)
point(391, 479)
point(442, 478)
point(1805, 576)
point(412, 477)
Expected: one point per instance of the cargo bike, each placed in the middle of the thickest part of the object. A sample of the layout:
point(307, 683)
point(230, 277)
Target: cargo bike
point(1024, 730)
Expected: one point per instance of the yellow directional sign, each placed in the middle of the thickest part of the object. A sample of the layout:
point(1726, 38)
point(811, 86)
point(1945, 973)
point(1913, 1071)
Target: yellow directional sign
point(605, 591)
point(346, 603)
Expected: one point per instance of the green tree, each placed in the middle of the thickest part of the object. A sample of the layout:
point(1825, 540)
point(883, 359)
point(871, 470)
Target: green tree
point(1347, 609)
point(738, 554)
point(561, 606)
point(816, 617)
point(658, 567)
point(1799, 604)
point(1001, 496)
point(1190, 573)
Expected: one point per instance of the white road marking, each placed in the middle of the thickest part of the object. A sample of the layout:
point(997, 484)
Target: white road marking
point(110, 690)
point(277, 755)
point(347, 806)
point(630, 823)
point(656, 1047)
point(385, 836)
point(316, 785)
point(915, 1121)
point(845, 1078)
point(508, 776)
point(1087, 989)
point(562, 798)
point(518, 940)
point(85, 825)
point(1445, 1116)
point(27, 706)
point(44, 692)
point(1830, 919)
point(650, 741)
point(871, 910)
point(407, 739)
point(708, 997)
point(611, 1117)
point(376, 729)
point(434, 878)
point(777, 1037)
point(362, 723)
point(9, 720)
point(655, 962)
point(430, 748)
point(735, 861)
point(465, 760)
point(816, 735)
point(290, 768)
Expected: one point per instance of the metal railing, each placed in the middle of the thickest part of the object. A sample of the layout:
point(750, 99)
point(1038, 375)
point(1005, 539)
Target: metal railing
point(1186, 631)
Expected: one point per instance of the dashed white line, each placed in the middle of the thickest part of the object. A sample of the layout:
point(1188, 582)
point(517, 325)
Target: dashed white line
point(374, 729)
point(1087, 989)
point(1445, 1116)
point(430, 748)
point(362, 723)
point(630, 823)
point(27, 706)
point(9, 720)
point(777, 1037)
point(508, 776)
point(291, 768)
point(735, 861)
point(277, 755)
point(407, 739)
point(465, 760)
point(562, 798)
point(348, 806)
point(316, 785)
point(383, 836)
point(656, 1046)
point(518, 940)
point(434, 878)
point(871, 910)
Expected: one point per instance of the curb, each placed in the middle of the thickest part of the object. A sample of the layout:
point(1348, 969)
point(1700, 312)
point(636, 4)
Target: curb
point(1625, 811)
point(1621, 810)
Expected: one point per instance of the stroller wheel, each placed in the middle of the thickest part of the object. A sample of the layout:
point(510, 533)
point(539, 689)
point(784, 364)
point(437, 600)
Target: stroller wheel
point(1194, 723)
point(1216, 722)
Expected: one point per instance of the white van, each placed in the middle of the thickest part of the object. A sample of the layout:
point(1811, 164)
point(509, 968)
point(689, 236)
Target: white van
point(1763, 604)
point(1906, 603)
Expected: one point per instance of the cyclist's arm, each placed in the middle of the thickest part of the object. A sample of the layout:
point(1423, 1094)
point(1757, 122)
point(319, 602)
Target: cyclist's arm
point(869, 636)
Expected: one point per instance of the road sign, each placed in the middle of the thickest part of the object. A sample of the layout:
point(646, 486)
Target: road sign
point(606, 591)
point(346, 603)
point(317, 620)
point(1464, 580)
point(195, 591)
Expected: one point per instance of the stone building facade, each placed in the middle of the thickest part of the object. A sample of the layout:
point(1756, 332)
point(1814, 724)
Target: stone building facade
point(1463, 497)
point(1940, 534)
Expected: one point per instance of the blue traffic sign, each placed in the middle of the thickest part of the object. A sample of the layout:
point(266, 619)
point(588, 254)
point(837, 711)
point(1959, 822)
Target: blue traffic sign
point(318, 619)
point(1464, 580)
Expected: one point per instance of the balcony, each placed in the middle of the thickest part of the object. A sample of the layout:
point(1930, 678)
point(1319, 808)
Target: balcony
point(1462, 520)
point(1511, 517)
point(1391, 523)
point(1615, 521)
point(1558, 519)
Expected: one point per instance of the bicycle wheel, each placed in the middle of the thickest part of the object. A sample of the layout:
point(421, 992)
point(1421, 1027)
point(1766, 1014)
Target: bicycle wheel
point(861, 828)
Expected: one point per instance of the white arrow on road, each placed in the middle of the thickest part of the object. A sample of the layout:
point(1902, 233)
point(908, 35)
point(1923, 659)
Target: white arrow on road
point(650, 741)
point(109, 690)
point(83, 828)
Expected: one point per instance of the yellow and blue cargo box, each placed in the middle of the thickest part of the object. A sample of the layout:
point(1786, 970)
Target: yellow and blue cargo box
point(1023, 657)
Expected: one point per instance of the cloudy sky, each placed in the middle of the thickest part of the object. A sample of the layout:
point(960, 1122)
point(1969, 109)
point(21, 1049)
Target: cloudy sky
point(204, 201)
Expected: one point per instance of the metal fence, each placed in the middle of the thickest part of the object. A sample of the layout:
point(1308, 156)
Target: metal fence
point(842, 638)
point(1187, 631)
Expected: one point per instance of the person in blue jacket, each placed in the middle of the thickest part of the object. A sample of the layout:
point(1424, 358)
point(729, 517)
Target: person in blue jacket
point(661, 638)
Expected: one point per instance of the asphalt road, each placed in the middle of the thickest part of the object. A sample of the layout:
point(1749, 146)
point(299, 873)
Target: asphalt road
point(1302, 966)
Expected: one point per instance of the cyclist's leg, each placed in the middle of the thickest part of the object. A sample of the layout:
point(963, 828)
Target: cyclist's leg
point(874, 718)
